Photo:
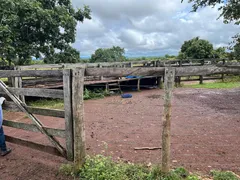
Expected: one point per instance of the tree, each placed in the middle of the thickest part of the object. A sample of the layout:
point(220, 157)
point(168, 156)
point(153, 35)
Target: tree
point(229, 10)
point(113, 54)
point(236, 52)
point(38, 28)
point(69, 55)
point(196, 48)
point(220, 53)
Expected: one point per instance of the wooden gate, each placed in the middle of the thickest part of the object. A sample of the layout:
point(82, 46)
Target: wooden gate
point(69, 91)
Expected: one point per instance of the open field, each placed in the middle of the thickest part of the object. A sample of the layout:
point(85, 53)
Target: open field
point(205, 132)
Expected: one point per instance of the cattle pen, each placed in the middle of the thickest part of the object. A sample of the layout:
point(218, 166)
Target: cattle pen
point(72, 79)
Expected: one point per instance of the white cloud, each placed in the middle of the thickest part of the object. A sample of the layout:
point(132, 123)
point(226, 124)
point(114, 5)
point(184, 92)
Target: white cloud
point(150, 27)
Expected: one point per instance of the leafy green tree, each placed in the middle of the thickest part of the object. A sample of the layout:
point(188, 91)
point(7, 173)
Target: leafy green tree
point(113, 54)
point(69, 55)
point(196, 48)
point(229, 10)
point(219, 53)
point(236, 51)
point(38, 28)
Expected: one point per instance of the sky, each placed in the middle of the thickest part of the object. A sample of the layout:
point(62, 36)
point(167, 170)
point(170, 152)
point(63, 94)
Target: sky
point(148, 27)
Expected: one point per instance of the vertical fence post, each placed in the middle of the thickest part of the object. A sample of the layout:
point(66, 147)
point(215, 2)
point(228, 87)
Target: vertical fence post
point(100, 66)
point(166, 133)
point(201, 77)
point(20, 85)
point(67, 87)
point(78, 119)
point(16, 80)
point(224, 61)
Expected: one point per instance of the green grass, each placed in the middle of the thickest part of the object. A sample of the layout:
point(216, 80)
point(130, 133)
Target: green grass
point(219, 175)
point(104, 168)
point(59, 103)
point(215, 85)
point(46, 103)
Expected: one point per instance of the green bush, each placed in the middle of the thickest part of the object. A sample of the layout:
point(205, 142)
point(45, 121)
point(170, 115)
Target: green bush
point(96, 94)
point(104, 168)
point(218, 175)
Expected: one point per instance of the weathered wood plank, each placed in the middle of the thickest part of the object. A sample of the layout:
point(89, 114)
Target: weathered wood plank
point(33, 128)
point(166, 133)
point(120, 72)
point(31, 73)
point(205, 70)
point(36, 92)
point(78, 119)
point(11, 106)
point(159, 71)
point(67, 86)
point(33, 145)
point(37, 66)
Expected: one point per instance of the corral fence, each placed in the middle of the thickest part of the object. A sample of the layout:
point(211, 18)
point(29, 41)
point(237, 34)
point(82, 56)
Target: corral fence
point(125, 64)
point(73, 113)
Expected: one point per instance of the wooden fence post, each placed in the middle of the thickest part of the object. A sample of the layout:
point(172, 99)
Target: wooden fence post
point(78, 119)
point(100, 66)
point(166, 133)
point(224, 61)
point(201, 77)
point(67, 87)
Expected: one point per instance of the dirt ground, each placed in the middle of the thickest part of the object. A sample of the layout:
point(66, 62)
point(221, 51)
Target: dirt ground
point(205, 133)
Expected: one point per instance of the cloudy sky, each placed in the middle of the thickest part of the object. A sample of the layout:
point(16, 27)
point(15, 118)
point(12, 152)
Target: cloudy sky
point(148, 27)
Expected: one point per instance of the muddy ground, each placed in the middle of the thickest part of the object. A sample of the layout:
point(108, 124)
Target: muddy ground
point(205, 133)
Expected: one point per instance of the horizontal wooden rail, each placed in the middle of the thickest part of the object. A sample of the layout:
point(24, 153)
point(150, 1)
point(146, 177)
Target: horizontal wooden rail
point(120, 72)
point(31, 73)
point(11, 106)
point(205, 70)
point(109, 64)
point(159, 71)
point(33, 128)
point(29, 144)
point(36, 92)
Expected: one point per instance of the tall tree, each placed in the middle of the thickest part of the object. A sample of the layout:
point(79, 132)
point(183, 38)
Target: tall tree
point(113, 54)
point(37, 28)
point(196, 48)
point(236, 51)
point(229, 10)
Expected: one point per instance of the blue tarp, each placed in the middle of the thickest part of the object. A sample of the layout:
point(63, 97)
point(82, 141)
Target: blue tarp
point(126, 95)
point(132, 77)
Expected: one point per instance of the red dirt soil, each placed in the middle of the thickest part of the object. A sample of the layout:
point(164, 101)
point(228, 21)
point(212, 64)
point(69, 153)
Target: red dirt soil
point(205, 133)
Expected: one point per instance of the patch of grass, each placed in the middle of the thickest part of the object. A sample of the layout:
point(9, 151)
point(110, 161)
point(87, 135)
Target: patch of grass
point(95, 94)
point(219, 175)
point(215, 85)
point(102, 168)
point(46, 103)
point(232, 82)
point(59, 103)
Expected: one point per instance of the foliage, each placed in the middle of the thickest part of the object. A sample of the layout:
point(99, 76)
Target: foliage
point(236, 52)
point(38, 28)
point(218, 175)
point(114, 54)
point(229, 10)
point(95, 94)
point(219, 53)
point(216, 85)
point(48, 103)
point(196, 48)
point(69, 55)
point(101, 168)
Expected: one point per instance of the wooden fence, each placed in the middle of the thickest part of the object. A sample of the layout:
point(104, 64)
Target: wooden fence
point(73, 80)
point(66, 94)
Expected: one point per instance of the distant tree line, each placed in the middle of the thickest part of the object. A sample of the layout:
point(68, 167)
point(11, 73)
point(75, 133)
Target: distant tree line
point(45, 29)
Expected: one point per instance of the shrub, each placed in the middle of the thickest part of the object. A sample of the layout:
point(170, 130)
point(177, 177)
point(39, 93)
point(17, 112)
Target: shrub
point(218, 175)
point(104, 168)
